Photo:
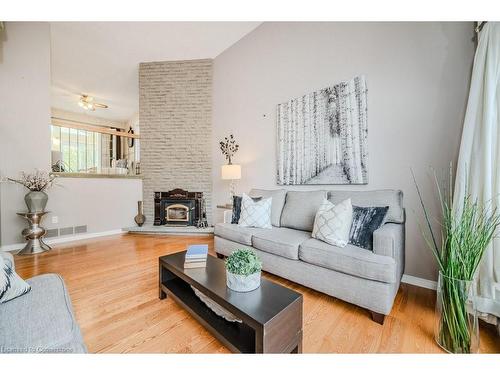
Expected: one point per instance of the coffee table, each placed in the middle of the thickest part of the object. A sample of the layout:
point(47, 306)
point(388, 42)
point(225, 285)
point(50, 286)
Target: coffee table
point(271, 315)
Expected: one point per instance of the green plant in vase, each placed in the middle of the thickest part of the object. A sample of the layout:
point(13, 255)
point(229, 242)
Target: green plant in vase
point(243, 270)
point(466, 232)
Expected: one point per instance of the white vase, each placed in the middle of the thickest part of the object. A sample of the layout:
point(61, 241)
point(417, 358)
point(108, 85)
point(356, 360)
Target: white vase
point(240, 283)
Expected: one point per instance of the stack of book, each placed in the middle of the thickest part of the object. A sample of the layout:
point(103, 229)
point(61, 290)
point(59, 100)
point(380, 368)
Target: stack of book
point(196, 256)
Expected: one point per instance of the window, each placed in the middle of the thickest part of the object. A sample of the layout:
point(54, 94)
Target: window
point(77, 150)
point(83, 148)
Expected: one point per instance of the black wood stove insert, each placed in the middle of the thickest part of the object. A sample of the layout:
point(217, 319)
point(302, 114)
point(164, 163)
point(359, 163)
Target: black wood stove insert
point(180, 208)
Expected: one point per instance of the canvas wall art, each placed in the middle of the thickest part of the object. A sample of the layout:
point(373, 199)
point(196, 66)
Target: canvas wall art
point(322, 136)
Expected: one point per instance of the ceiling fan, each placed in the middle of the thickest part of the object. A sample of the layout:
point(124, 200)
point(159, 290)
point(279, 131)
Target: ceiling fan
point(87, 102)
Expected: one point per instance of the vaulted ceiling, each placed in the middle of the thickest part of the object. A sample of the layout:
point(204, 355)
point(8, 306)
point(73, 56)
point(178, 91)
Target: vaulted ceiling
point(101, 59)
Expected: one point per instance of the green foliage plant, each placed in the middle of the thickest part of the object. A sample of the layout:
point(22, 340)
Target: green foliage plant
point(243, 262)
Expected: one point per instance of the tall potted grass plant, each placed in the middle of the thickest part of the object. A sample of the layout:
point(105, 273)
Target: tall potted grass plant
point(466, 232)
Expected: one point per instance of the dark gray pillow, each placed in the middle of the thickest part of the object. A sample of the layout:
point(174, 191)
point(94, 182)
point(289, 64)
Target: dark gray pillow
point(365, 221)
point(236, 209)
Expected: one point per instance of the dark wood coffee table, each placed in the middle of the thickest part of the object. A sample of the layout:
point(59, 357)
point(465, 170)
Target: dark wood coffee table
point(271, 315)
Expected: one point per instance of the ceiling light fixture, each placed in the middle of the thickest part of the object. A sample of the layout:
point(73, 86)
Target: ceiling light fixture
point(87, 103)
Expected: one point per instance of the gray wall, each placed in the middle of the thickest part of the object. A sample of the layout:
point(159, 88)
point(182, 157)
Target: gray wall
point(417, 76)
point(24, 114)
point(175, 112)
point(101, 204)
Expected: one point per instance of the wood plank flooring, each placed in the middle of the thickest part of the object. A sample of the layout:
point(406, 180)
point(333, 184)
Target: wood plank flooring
point(113, 283)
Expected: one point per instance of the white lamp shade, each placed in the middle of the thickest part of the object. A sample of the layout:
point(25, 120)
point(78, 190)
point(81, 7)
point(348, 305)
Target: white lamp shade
point(231, 172)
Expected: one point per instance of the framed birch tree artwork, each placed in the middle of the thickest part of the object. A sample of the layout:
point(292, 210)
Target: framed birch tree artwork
point(322, 136)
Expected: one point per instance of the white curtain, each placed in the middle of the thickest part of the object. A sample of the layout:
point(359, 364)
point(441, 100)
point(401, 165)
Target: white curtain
point(478, 167)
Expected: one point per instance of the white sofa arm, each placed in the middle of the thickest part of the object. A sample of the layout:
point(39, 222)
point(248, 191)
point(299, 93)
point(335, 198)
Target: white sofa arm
point(389, 240)
point(228, 216)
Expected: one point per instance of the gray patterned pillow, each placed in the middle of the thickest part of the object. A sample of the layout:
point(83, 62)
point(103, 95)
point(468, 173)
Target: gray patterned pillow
point(255, 214)
point(11, 285)
point(365, 221)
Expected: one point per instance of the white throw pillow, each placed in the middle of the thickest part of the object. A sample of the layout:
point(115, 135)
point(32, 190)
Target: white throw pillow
point(255, 214)
point(11, 285)
point(332, 223)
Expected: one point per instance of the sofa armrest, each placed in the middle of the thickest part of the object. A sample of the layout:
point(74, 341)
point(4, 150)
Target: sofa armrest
point(228, 216)
point(388, 240)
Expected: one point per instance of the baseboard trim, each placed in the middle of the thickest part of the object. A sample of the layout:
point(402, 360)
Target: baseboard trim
point(418, 281)
point(58, 240)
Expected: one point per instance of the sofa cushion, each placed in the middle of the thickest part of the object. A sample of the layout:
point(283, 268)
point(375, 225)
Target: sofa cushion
point(300, 209)
point(278, 202)
point(280, 241)
point(236, 233)
point(42, 320)
point(381, 198)
point(350, 259)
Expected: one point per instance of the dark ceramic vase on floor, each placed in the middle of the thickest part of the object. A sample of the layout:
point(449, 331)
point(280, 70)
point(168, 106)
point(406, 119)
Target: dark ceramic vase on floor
point(139, 218)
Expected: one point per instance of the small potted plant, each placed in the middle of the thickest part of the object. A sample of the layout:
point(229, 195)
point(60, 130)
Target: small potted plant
point(36, 182)
point(243, 269)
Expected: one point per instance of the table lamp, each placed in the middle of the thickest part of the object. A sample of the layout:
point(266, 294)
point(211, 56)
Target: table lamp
point(231, 172)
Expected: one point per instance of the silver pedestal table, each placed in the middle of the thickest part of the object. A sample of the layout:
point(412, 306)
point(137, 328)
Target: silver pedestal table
point(34, 233)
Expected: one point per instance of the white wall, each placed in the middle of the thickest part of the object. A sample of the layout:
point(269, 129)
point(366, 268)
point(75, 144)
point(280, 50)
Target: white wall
point(102, 204)
point(417, 76)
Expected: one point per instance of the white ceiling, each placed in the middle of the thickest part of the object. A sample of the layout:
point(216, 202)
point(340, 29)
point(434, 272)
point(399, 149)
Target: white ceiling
point(101, 59)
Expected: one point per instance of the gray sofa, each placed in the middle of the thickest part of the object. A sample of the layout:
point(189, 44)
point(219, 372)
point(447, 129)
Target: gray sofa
point(40, 321)
point(369, 279)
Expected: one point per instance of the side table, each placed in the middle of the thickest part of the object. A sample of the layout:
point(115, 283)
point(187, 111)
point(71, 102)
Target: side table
point(34, 233)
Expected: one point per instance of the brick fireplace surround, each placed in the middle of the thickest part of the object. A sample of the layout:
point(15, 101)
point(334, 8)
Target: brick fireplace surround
point(175, 111)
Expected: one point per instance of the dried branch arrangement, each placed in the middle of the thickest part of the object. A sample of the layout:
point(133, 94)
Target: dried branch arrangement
point(35, 181)
point(229, 147)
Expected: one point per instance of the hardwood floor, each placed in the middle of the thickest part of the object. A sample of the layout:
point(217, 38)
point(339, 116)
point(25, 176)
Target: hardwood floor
point(113, 283)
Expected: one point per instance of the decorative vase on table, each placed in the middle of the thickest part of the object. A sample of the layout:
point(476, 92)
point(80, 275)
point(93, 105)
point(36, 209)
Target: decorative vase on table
point(37, 183)
point(243, 283)
point(36, 201)
point(140, 218)
point(243, 270)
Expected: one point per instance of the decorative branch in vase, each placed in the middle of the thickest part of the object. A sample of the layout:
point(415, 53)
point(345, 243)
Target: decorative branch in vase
point(466, 234)
point(37, 183)
point(229, 147)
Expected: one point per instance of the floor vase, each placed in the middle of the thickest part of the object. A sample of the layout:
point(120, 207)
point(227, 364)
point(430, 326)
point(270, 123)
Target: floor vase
point(457, 326)
point(140, 219)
